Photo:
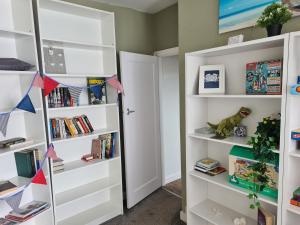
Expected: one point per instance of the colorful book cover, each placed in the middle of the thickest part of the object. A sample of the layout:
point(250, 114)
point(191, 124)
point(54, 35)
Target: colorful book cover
point(93, 100)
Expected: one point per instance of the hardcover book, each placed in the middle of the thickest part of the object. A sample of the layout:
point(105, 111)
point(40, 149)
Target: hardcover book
point(93, 99)
point(6, 187)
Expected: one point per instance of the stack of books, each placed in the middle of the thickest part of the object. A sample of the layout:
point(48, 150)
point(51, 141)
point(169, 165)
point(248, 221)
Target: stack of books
point(7, 222)
point(70, 127)
point(27, 211)
point(28, 162)
point(209, 166)
point(103, 147)
point(7, 187)
point(58, 165)
point(60, 97)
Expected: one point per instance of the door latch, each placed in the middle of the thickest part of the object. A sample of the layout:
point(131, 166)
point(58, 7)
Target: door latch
point(129, 111)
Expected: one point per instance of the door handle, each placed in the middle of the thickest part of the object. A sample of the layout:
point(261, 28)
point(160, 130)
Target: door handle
point(129, 111)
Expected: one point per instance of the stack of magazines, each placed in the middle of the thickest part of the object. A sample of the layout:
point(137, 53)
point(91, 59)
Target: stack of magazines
point(209, 166)
point(27, 211)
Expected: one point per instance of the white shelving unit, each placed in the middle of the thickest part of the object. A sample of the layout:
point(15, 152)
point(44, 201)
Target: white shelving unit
point(213, 200)
point(17, 40)
point(84, 193)
point(291, 214)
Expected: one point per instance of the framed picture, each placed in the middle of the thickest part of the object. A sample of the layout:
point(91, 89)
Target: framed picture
point(212, 79)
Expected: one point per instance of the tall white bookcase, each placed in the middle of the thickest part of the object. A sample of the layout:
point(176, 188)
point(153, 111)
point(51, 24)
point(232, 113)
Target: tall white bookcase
point(17, 40)
point(213, 200)
point(84, 193)
point(291, 214)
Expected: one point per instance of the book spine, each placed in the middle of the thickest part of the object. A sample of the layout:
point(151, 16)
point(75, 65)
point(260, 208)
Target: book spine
point(84, 126)
point(76, 126)
point(79, 125)
point(88, 123)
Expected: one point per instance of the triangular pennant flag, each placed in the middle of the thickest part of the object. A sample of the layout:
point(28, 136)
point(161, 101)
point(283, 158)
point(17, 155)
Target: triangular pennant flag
point(115, 83)
point(15, 200)
point(49, 85)
point(3, 123)
point(75, 93)
point(38, 81)
point(97, 90)
point(26, 104)
point(52, 153)
point(39, 178)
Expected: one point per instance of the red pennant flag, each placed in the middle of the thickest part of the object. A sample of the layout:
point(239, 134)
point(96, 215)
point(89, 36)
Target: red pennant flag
point(49, 85)
point(115, 83)
point(39, 178)
point(38, 81)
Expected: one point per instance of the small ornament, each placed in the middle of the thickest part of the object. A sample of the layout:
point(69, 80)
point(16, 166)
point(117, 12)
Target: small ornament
point(240, 131)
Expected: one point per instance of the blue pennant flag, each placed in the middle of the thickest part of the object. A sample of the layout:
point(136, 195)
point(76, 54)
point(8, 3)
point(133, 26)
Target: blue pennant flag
point(97, 90)
point(15, 200)
point(26, 104)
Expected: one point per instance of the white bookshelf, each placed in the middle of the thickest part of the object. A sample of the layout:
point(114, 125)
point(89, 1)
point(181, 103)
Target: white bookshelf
point(291, 214)
point(213, 200)
point(84, 193)
point(17, 40)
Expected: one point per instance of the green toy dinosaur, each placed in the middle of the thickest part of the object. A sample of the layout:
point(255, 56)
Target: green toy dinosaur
point(226, 126)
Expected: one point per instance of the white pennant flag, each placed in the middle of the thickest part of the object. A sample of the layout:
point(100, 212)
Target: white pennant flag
point(3, 122)
point(14, 200)
point(75, 93)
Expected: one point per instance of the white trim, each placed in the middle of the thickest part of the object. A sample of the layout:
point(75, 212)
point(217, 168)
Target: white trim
point(171, 178)
point(167, 52)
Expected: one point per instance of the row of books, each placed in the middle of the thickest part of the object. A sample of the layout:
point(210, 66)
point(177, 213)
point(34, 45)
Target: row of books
point(28, 162)
point(25, 212)
point(70, 127)
point(60, 97)
point(102, 148)
point(58, 165)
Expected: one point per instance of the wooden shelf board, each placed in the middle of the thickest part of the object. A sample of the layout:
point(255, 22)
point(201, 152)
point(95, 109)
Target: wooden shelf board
point(14, 72)
point(86, 190)
point(222, 181)
point(96, 215)
point(237, 96)
point(217, 214)
point(10, 33)
point(239, 141)
point(81, 107)
point(70, 75)
point(294, 209)
point(75, 44)
point(78, 164)
point(83, 136)
point(37, 143)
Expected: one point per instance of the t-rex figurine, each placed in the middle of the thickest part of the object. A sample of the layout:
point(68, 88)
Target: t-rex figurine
point(226, 126)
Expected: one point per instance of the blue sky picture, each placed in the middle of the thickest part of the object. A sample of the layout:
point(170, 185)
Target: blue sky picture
point(238, 14)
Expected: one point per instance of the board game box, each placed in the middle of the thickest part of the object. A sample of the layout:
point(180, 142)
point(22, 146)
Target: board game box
point(264, 78)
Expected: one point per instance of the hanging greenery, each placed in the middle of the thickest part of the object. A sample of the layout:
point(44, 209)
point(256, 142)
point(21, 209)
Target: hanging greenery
point(265, 140)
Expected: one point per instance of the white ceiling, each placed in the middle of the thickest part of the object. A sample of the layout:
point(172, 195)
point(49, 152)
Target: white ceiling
point(149, 6)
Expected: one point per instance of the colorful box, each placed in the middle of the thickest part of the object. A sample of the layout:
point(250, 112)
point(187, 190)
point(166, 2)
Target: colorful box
point(264, 78)
point(296, 135)
point(240, 159)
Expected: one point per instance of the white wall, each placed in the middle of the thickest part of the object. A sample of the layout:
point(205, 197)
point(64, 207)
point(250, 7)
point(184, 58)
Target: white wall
point(169, 112)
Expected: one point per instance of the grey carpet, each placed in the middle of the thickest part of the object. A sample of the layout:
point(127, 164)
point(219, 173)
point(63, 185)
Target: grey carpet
point(160, 208)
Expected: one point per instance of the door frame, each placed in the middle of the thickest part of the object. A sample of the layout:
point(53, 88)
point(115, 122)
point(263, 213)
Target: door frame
point(161, 54)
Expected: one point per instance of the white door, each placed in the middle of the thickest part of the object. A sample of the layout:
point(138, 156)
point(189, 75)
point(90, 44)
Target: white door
point(141, 125)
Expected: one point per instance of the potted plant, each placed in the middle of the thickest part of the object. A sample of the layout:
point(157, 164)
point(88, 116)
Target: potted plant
point(266, 139)
point(273, 17)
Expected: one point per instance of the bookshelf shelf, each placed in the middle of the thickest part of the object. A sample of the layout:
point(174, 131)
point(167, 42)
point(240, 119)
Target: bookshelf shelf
point(80, 164)
point(294, 209)
point(222, 181)
point(217, 214)
point(18, 40)
point(84, 193)
point(238, 96)
point(84, 136)
point(294, 154)
point(85, 190)
point(82, 107)
point(202, 108)
point(12, 150)
point(75, 44)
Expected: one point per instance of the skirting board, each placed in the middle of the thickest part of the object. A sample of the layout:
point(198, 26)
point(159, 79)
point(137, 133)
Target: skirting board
point(183, 216)
point(172, 177)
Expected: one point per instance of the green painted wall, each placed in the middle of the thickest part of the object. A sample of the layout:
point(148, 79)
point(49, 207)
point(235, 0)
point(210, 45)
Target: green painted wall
point(198, 29)
point(165, 25)
point(134, 30)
